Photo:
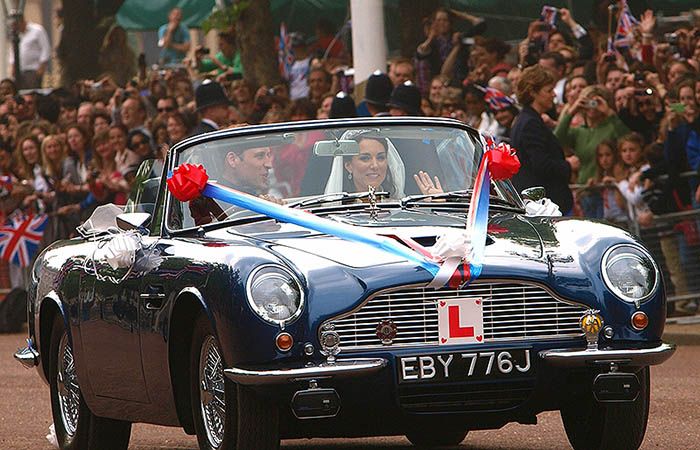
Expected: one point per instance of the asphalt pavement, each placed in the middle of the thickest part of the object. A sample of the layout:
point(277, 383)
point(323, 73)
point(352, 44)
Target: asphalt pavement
point(674, 418)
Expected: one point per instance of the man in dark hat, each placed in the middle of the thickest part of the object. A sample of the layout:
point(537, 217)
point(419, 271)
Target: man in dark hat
point(377, 93)
point(343, 106)
point(212, 104)
point(405, 100)
point(417, 155)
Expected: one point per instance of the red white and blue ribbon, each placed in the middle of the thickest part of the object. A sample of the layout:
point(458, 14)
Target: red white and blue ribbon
point(455, 259)
point(463, 253)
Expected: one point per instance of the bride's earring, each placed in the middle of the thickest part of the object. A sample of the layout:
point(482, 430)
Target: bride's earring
point(350, 176)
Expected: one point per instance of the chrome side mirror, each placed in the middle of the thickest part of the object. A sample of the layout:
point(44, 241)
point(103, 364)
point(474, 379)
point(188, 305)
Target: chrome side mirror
point(534, 193)
point(133, 221)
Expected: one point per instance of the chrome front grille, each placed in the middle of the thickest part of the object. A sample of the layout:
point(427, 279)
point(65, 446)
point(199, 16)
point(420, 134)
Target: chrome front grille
point(513, 310)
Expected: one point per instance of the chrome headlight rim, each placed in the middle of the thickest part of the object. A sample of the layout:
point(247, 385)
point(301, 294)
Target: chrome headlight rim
point(256, 309)
point(610, 285)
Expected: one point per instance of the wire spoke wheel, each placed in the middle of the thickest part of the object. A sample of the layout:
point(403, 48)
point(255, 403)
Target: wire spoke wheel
point(67, 387)
point(211, 392)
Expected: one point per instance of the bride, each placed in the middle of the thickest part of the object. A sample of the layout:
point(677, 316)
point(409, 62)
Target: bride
point(378, 165)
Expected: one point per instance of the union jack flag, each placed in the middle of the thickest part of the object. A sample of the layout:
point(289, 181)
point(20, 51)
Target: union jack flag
point(285, 53)
point(20, 238)
point(497, 100)
point(625, 26)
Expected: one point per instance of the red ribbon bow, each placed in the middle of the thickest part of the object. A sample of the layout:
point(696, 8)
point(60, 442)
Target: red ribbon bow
point(188, 182)
point(503, 162)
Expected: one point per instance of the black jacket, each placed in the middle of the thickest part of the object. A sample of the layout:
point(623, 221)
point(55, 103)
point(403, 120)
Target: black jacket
point(542, 160)
point(202, 128)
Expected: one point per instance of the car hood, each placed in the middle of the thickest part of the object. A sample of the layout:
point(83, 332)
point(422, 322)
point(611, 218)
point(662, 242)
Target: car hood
point(509, 235)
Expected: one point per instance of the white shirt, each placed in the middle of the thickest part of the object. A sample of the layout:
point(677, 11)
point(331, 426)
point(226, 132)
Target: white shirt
point(211, 123)
point(34, 47)
point(559, 92)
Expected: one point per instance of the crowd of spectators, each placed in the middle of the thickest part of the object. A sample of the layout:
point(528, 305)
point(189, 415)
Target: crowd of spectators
point(613, 133)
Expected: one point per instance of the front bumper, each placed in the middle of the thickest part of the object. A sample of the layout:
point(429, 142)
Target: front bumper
point(341, 368)
point(623, 357)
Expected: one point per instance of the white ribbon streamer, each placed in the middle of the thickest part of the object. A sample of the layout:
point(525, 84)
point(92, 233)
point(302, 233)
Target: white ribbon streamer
point(542, 207)
point(452, 248)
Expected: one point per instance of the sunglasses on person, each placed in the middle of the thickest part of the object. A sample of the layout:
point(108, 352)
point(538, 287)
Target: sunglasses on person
point(166, 109)
point(138, 143)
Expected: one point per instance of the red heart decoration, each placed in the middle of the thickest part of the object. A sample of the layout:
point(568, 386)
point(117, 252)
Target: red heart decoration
point(188, 182)
point(479, 338)
point(442, 303)
point(503, 163)
point(443, 340)
point(478, 302)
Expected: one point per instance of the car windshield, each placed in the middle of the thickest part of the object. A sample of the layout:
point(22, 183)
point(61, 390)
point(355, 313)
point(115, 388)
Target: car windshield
point(316, 167)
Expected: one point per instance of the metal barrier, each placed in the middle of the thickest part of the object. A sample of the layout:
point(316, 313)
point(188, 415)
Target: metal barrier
point(674, 241)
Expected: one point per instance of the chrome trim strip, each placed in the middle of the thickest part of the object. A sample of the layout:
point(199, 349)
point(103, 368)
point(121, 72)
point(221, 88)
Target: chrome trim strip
point(631, 357)
point(341, 368)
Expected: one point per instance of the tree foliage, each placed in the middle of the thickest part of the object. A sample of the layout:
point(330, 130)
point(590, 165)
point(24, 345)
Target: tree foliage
point(85, 24)
point(225, 19)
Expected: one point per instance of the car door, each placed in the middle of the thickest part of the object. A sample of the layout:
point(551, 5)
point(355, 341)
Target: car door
point(109, 333)
point(112, 313)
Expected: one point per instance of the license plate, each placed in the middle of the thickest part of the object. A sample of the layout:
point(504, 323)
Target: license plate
point(482, 364)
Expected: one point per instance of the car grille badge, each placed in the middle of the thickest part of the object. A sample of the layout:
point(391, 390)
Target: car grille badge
point(386, 332)
point(330, 342)
point(591, 323)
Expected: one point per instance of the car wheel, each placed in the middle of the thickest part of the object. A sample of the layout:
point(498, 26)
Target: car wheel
point(226, 416)
point(434, 437)
point(591, 425)
point(76, 427)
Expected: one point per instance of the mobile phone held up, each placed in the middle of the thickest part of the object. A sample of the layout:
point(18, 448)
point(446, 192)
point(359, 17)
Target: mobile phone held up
point(677, 107)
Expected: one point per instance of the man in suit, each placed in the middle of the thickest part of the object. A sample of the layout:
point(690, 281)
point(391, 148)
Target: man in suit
point(212, 105)
point(542, 161)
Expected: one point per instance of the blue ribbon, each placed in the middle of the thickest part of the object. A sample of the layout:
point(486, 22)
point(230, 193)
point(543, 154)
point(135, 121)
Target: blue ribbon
point(313, 222)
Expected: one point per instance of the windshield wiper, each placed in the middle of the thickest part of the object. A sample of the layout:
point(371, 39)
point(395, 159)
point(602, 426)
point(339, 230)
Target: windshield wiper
point(452, 195)
point(335, 197)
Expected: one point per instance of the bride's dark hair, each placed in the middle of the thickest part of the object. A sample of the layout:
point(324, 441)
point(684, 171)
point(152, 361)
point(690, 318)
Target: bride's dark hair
point(388, 183)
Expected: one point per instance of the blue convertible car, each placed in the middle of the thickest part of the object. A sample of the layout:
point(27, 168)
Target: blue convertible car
point(245, 329)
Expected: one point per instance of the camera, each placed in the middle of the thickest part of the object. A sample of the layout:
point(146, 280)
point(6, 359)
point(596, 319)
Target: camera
point(643, 92)
point(609, 57)
point(672, 41)
point(591, 104)
point(535, 48)
point(466, 40)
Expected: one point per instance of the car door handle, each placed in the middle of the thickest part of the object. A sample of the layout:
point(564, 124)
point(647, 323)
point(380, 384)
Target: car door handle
point(154, 300)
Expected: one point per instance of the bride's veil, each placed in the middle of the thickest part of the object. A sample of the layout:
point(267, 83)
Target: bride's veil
point(396, 166)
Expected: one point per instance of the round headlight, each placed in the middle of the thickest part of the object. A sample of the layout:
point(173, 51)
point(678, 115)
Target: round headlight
point(275, 294)
point(630, 273)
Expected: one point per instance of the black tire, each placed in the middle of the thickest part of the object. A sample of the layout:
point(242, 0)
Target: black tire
point(435, 437)
point(591, 425)
point(87, 431)
point(249, 421)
